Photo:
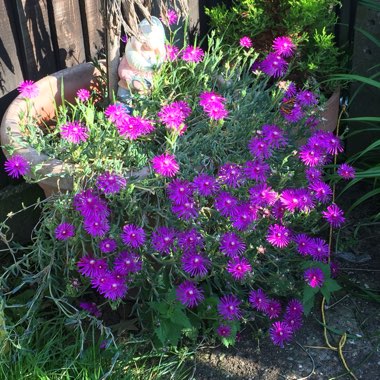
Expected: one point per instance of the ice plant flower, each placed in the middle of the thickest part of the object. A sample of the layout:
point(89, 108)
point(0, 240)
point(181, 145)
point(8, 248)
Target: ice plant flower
point(190, 240)
point(28, 89)
point(113, 287)
point(256, 170)
point(304, 243)
point(173, 115)
point(180, 191)
point(91, 307)
point(195, 264)
point(186, 210)
point(133, 236)
point(273, 310)
point(274, 135)
point(206, 185)
point(224, 331)
point(259, 148)
point(229, 307)
point(231, 174)
point(245, 42)
point(115, 112)
point(258, 299)
point(293, 321)
point(311, 156)
point(274, 65)
point(321, 191)
point(74, 132)
point(314, 277)
point(127, 262)
point(83, 94)
point(278, 236)
point(280, 332)
point(263, 195)
point(334, 215)
point(306, 98)
point(319, 249)
point(294, 307)
point(90, 205)
point(165, 165)
point(213, 104)
point(64, 231)
point(133, 127)
point(96, 226)
point(16, 166)
point(110, 183)
point(283, 46)
point(226, 204)
point(346, 171)
point(91, 267)
point(172, 52)
point(238, 267)
point(192, 54)
point(172, 17)
point(163, 239)
point(188, 294)
point(231, 244)
point(107, 245)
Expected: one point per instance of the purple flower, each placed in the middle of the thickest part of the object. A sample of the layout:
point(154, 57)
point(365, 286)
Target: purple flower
point(192, 54)
point(259, 148)
point(172, 17)
point(231, 175)
point(274, 65)
point(306, 98)
point(163, 239)
point(127, 262)
point(83, 94)
point(90, 205)
point(262, 195)
point(195, 264)
point(91, 307)
point(290, 89)
point(133, 127)
point(304, 243)
point(278, 236)
point(213, 104)
point(224, 331)
point(294, 307)
point(226, 204)
point(133, 236)
point(231, 244)
point(113, 287)
point(293, 321)
point(172, 52)
point(313, 174)
point(346, 171)
point(244, 215)
point(107, 245)
point(28, 89)
point(96, 226)
point(238, 267)
point(273, 309)
point(173, 115)
point(321, 191)
point(274, 135)
point(290, 199)
point(64, 231)
point(314, 277)
point(74, 132)
point(115, 112)
point(319, 249)
point(16, 166)
point(245, 42)
point(311, 156)
point(280, 332)
point(110, 183)
point(90, 267)
point(256, 170)
point(334, 215)
point(334, 144)
point(258, 299)
point(283, 46)
point(206, 185)
point(186, 210)
point(188, 294)
point(190, 240)
point(292, 115)
point(228, 307)
point(180, 191)
point(165, 165)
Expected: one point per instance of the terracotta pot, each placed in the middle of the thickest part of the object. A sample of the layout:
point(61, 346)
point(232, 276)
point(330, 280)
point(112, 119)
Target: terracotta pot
point(331, 113)
point(56, 174)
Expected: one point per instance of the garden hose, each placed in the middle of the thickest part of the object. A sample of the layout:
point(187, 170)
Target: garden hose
point(343, 338)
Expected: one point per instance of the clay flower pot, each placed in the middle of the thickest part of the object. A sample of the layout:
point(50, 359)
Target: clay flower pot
point(57, 175)
point(330, 115)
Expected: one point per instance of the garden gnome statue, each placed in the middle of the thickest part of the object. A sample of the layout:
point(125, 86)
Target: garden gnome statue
point(142, 55)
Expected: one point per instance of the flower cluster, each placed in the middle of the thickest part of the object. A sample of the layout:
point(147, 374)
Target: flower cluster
point(173, 116)
point(214, 105)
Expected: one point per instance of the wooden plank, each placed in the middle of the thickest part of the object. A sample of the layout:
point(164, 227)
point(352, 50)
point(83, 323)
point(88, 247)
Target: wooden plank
point(68, 27)
point(36, 38)
point(93, 30)
point(10, 69)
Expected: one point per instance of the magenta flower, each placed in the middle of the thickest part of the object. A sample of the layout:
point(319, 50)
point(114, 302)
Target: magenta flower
point(273, 309)
point(346, 171)
point(263, 195)
point(294, 307)
point(92, 308)
point(64, 231)
point(115, 112)
point(188, 294)
point(274, 65)
point(224, 331)
point(245, 42)
point(280, 332)
point(334, 145)
point(190, 240)
point(110, 183)
point(186, 210)
point(163, 239)
point(195, 264)
point(90, 205)
point(258, 299)
point(321, 191)
point(228, 307)
point(133, 236)
point(292, 115)
point(290, 89)
point(74, 132)
point(16, 166)
point(306, 98)
point(283, 46)
point(192, 54)
point(231, 174)
point(311, 156)
point(165, 165)
point(290, 199)
point(173, 115)
point(172, 17)
point(96, 226)
point(313, 174)
point(172, 52)
point(180, 191)
point(231, 244)
point(314, 277)
point(334, 215)
point(274, 135)
point(304, 244)
point(206, 185)
point(127, 262)
point(90, 267)
point(293, 321)
point(278, 236)
point(133, 127)
point(107, 245)
point(319, 249)
point(28, 89)
point(259, 148)
point(226, 204)
point(83, 94)
point(244, 215)
point(213, 104)
point(256, 170)
point(113, 287)
point(238, 267)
